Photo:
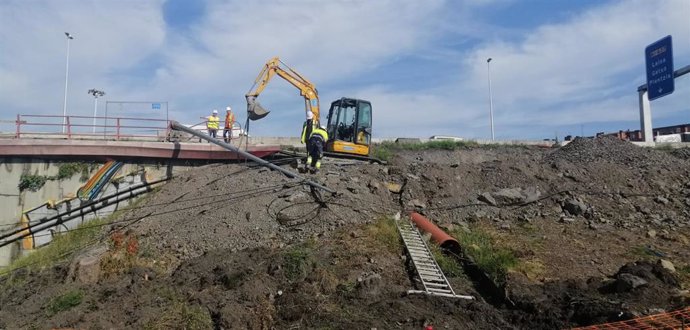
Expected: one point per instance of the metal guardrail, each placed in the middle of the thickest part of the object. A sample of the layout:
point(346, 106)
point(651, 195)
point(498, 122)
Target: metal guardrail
point(108, 128)
point(81, 127)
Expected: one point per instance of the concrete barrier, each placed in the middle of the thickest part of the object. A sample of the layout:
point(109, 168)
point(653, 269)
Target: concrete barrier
point(13, 202)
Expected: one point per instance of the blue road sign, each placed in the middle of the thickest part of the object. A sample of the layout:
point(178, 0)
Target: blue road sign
point(659, 59)
point(155, 106)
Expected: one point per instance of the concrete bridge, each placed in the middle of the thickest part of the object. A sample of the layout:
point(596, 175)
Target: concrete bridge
point(154, 153)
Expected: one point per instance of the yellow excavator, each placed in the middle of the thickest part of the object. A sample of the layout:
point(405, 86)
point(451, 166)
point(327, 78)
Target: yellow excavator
point(349, 120)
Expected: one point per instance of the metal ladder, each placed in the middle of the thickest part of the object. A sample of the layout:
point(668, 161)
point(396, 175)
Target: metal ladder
point(434, 281)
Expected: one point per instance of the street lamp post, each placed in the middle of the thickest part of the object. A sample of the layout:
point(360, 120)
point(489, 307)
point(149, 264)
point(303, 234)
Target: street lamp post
point(491, 101)
point(64, 106)
point(96, 93)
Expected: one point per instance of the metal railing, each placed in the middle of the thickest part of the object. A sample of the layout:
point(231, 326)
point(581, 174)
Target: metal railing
point(107, 128)
point(82, 127)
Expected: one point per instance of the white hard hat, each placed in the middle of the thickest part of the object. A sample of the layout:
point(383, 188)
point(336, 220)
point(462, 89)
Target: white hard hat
point(323, 127)
point(228, 108)
point(215, 111)
point(310, 115)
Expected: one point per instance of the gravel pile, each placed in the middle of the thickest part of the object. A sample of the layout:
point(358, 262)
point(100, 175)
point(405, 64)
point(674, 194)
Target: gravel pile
point(612, 150)
point(235, 207)
point(682, 153)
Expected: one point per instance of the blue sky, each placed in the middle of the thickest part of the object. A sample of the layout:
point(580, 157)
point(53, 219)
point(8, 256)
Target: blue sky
point(559, 67)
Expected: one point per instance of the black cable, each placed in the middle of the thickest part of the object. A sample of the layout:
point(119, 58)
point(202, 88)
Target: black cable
point(245, 193)
point(92, 205)
point(43, 220)
point(66, 253)
point(137, 218)
point(133, 220)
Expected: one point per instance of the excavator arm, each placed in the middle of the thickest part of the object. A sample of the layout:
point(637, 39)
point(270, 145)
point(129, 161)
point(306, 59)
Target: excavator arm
point(275, 66)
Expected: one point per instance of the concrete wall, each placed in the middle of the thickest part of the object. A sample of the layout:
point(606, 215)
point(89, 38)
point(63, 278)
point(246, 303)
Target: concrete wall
point(13, 202)
point(275, 141)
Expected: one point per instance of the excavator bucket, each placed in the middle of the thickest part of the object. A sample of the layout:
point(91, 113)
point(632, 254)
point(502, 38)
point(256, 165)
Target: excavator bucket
point(254, 110)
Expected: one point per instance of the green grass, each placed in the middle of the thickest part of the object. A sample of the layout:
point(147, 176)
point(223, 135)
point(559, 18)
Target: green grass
point(297, 261)
point(385, 232)
point(381, 153)
point(494, 260)
point(642, 252)
point(62, 246)
point(663, 147)
point(177, 313)
point(64, 302)
point(449, 265)
point(181, 316)
point(346, 288)
point(387, 149)
point(684, 275)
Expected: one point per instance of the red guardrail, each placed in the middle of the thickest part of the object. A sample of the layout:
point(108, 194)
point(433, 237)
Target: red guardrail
point(675, 320)
point(82, 127)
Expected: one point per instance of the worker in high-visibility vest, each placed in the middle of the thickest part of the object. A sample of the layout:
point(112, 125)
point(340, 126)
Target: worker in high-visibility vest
point(307, 127)
point(212, 123)
point(317, 141)
point(229, 121)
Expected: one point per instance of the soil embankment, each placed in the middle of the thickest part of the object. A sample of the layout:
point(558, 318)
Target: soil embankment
point(226, 246)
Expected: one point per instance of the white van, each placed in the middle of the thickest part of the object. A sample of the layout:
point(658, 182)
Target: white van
point(446, 137)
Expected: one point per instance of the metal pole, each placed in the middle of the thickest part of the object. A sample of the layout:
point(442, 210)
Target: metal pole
point(646, 107)
point(96, 93)
point(95, 107)
point(177, 126)
point(64, 106)
point(105, 119)
point(491, 101)
point(645, 117)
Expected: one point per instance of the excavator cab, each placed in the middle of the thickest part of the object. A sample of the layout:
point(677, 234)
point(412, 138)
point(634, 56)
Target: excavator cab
point(349, 127)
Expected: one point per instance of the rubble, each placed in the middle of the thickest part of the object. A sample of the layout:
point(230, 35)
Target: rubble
point(593, 227)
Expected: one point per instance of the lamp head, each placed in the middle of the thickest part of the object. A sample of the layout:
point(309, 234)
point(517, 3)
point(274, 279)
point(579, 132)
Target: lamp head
point(69, 36)
point(488, 60)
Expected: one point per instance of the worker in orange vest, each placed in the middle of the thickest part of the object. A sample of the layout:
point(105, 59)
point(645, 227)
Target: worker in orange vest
point(229, 121)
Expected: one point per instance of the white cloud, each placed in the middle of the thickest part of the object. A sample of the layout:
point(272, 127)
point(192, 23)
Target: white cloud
point(584, 69)
point(586, 62)
point(108, 37)
point(326, 41)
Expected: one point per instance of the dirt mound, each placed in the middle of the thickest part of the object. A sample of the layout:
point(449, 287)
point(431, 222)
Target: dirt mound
point(234, 207)
point(638, 288)
point(332, 282)
point(245, 247)
point(611, 150)
point(352, 280)
point(682, 153)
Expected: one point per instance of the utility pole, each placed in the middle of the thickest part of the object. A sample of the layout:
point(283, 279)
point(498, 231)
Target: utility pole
point(491, 101)
point(96, 93)
point(64, 106)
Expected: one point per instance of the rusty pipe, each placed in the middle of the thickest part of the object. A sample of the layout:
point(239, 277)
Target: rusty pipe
point(444, 240)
